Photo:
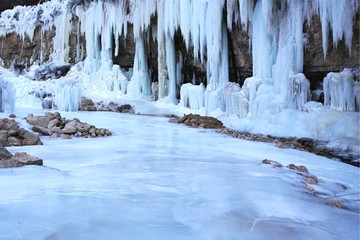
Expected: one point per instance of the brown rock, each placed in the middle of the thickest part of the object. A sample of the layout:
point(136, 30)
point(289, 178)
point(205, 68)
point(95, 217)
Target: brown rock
point(299, 168)
point(4, 153)
point(65, 136)
point(41, 130)
point(10, 163)
point(27, 159)
point(311, 179)
point(41, 121)
point(336, 203)
point(8, 124)
point(13, 141)
point(28, 138)
point(3, 137)
point(55, 122)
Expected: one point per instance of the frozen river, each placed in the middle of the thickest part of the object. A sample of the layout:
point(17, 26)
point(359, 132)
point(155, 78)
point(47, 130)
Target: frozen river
point(158, 180)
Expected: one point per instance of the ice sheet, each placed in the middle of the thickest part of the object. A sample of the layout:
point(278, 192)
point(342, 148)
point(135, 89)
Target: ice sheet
point(157, 180)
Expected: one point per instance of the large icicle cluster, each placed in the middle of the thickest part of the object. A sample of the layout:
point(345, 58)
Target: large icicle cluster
point(276, 35)
point(341, 92)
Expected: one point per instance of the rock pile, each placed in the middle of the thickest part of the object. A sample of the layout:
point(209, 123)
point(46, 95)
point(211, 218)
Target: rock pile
point(8, 160)
point(52, 124)
point(88, 105)
point(13, 135)
point(302, 144)
point(196, 121)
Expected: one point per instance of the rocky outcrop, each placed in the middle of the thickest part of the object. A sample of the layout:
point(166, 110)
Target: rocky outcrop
point(19, 159)
point(52, 124)
point(197, 121)
point(13, 135)
point(88, 105)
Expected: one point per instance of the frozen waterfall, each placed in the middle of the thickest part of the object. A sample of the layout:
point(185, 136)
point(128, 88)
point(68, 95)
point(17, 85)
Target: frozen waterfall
point(276, 36)
point(7, 96)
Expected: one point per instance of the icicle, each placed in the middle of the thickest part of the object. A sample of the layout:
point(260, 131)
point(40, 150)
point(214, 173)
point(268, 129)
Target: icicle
point(185, 25)
point(60, 52)
point(116, 80)
point(231, 98)
point(140, 84)
point(340, 91)
point(217, 67)
point(339, 15)
point(163, 82)
point(179, 66)
point(170, 63)
point(67, 95)
point(192, 96)
point(300, 90)
point(246, 11)
point(7, 96)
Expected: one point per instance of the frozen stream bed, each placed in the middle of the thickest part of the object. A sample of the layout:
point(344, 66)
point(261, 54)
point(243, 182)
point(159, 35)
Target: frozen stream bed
point(158, 180)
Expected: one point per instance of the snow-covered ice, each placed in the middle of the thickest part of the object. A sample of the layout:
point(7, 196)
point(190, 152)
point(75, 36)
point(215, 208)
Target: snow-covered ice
point(158, 180)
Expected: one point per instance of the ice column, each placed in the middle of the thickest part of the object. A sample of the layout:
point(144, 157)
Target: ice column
point(67, 95)
point(7, 96)
point(217, 62)
point(340, 91)
point(140, 82)
point(60, 52)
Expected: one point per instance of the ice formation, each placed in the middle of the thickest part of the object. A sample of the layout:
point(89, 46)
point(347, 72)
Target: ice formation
point(67, 95)
point(192, 96)
point(341, 92)
point(7, 96)
point(276, 36)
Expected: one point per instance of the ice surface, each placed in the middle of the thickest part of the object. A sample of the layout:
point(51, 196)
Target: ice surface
point(154, 179)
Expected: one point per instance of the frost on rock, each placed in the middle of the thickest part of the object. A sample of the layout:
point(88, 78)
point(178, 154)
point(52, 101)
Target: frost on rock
point(67, 95)
point(7, 96)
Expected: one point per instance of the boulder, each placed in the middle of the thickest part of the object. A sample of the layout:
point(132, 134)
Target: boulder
point(13, 141)
point(8, 124)
point(26, 159)
point(41, 121)
point(299, 168)
point(29, 138)
point(4, 153)
point(71, 127)
point(41, 130)
point(196, 121)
